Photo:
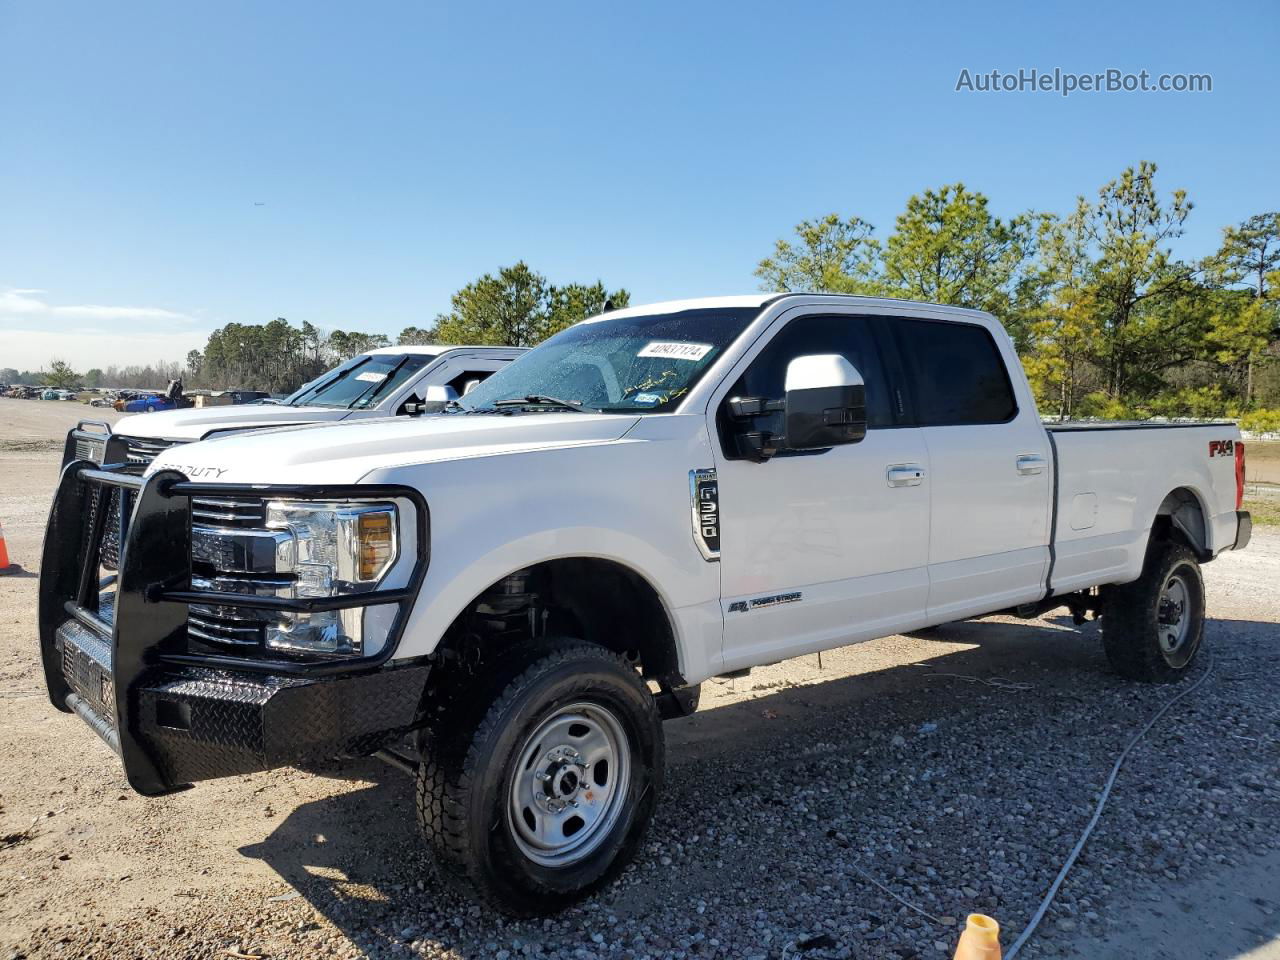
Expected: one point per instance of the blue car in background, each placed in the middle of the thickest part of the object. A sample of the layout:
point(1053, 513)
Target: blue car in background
point(149, 403)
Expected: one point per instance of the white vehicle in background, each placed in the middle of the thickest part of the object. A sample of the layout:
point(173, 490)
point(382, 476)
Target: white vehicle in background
point(386, 382)
point(518, 591)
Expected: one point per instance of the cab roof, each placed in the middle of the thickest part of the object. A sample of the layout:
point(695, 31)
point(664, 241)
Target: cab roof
point(760, 300)
point(434, 349)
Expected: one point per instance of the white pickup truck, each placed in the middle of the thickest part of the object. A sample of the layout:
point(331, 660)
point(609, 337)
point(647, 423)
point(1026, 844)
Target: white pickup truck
point(519, 591)
point(386, 382)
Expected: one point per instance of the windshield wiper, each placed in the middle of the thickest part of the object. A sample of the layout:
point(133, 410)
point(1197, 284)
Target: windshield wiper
point(541, 400)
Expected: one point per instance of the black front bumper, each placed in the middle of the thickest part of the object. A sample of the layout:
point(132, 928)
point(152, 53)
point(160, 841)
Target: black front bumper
point(120, 660)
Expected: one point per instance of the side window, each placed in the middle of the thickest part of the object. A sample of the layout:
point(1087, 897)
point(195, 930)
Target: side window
point(469, 380)
point(958, 374)
point(852, 337)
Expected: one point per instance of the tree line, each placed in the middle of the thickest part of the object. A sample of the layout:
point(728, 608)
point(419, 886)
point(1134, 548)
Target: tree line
point(516, 307)
point(1108, 320)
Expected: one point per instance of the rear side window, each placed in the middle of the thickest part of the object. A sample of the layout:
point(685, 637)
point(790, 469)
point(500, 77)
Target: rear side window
point(957, 373)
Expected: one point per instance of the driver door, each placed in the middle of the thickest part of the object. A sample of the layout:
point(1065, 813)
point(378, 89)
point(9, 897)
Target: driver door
point(821, 548)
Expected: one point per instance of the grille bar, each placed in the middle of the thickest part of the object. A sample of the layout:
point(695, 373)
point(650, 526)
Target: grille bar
point(224, 511)
point(143, 451)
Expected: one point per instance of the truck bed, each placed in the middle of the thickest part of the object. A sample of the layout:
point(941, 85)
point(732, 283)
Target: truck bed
point(1112, 479)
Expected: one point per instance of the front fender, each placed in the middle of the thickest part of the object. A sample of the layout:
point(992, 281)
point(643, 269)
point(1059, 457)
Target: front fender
point(492, 516)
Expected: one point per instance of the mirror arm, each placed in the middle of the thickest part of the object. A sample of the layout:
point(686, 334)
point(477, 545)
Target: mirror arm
point(757, 445)
point(743, 408)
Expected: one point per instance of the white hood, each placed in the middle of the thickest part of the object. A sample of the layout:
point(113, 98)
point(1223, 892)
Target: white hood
point(194, 423)
point(346, 452)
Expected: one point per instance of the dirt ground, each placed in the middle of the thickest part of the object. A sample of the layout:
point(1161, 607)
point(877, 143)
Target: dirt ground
point(305, 864)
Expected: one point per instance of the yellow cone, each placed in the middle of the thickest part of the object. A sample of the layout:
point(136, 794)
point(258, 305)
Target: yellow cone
point(980, 939)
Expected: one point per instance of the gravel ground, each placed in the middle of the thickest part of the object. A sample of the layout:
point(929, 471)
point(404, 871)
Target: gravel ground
point(785, 792)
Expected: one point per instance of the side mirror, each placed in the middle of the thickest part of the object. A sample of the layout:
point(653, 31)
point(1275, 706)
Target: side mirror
point(436, 398)
point(825, 403)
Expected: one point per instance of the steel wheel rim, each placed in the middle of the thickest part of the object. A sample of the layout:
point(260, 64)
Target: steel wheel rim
point(569, 785)
point(1173, 615)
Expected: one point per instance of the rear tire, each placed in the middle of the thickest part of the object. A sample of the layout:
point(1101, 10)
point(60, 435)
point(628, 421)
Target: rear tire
point(1152, 628)
point(538, 778)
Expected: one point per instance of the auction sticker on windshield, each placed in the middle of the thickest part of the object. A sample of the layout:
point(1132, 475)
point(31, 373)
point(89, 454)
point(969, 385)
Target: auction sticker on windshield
point(675, 351)
point(371, 376)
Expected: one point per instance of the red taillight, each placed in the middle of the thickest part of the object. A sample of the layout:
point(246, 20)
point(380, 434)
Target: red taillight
point(1239, 473)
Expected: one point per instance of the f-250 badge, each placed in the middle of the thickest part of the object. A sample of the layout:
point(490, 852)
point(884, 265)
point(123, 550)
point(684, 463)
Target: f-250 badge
point(704, 498)
point(1222, 448)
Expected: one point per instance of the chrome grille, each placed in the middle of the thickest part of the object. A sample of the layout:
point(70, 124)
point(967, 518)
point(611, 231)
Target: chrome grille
point(228, 511)
point(231, 552)
point(224, 625)
point(143, 451)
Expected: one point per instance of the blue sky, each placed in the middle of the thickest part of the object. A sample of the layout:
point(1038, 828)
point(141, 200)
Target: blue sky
point(399, 150)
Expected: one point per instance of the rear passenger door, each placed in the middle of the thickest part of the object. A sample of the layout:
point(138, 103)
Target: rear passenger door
point(989, 470)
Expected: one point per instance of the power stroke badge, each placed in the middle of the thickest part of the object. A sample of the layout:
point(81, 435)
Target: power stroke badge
point(704, 499)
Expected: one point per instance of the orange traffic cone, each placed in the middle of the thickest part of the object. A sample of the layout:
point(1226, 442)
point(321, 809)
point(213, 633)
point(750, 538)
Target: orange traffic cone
point(980, 939)
point(5, 565)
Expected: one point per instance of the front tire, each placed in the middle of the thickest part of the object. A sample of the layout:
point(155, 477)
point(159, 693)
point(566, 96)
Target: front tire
point(1152, 628)
point(538, 779)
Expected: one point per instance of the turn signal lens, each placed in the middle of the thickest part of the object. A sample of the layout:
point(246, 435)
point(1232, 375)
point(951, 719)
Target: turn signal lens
point(375, 544)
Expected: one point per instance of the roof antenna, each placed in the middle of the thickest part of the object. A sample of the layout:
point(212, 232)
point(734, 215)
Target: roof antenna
point(608, 305)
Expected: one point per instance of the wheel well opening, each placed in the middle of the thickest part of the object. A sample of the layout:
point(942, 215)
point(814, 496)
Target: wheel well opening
point(1181, 518)
point(600, 601)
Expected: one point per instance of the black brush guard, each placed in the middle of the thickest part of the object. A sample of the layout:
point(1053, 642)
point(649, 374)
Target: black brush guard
point(120, 660)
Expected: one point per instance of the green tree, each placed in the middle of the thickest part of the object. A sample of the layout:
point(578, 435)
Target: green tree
point(1063, 317)
point(1250, 254)
point(346, 345)
point(1137, 284)
point(61, 375)
point(508, 309)
point(93, 378)
point(573, 302)
point(519, 308)
point(1240, 329)
point(828, 255)
point(418, 336)
point(947, 247)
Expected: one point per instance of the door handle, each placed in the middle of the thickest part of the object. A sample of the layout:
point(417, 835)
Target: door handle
point(1031, 464)
point(905, 475)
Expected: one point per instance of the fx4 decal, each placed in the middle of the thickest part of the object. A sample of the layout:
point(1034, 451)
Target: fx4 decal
point(1222, 448)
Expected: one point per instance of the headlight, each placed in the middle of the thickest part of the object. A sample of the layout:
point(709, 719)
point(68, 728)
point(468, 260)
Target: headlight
point(334, 549)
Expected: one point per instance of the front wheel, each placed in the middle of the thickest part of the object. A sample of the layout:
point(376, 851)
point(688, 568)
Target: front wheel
point(538, 780)
point(1152, 627)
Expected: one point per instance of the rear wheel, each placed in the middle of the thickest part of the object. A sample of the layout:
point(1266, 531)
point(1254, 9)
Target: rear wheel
point(1152, 628)
point(539, 778)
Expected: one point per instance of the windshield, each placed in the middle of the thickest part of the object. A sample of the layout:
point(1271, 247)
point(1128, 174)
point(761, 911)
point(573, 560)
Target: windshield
point(628, 364)
point(361, 382)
